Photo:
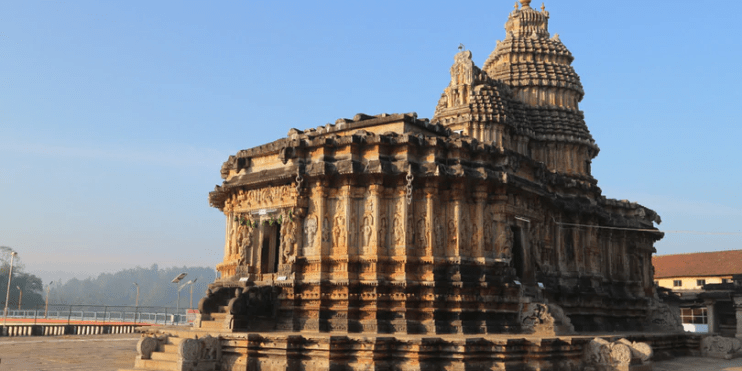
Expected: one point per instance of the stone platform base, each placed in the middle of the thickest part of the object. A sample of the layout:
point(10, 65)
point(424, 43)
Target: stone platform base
point(322, 351)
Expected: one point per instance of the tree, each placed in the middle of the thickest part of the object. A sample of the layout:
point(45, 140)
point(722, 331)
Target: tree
point(28, 283)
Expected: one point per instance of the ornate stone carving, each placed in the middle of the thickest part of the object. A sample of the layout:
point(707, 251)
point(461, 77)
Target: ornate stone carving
point(269, 197)
point(149, 344)
point(439, 235)
point(199, 354)
point(602, 355)
point(383, 229)
point(545, 319)
point(325, 229)
point(720, 347)
point(505, 243)
point(338, 231)
point(663, 318)
point(245, 242)
point(453, 235)
point(398, 231)
point(310, 231)
point(367, 231)
point(288, 238)
point(422, 232)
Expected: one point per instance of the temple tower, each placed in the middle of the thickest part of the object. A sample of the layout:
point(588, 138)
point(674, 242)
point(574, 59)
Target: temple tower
point(524, 99)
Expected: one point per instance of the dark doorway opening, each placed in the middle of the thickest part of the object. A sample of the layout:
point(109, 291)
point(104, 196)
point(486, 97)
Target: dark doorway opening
point(269, 248)
point(519, 261)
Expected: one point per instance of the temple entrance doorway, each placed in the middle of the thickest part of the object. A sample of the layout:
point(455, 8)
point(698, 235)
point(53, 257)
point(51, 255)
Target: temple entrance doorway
point(270, 240)
point(518, 258)
point(522, 259)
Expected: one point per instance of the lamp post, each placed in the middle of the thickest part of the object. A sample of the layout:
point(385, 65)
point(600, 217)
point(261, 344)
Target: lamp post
point(137, 302)
point(46, 305)
point(20, 297)
point(7, 293)
point(177, 280)
point(192, 282)
point(181, 288)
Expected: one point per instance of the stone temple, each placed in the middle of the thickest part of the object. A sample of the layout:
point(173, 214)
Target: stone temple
point(475, 240)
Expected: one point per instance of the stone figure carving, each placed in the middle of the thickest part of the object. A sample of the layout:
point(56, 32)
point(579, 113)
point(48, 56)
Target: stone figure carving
point(325, 229)
point(475, 238)
point(600, 354)
point(382, 232)
point(338, 231)
point(245, 247)
point(663, 318)
point(504, 243)
point(720, 347)
point(266, 197)
point(465, 228)
point(288, 240)
point(438, 230)
point(367, 230)
point(310, 230)
point(545, 319)
point(452, 235)
point(422, 232)
point(537, 314)
point(397, 231)
point(232, 243)
point(490, 228)
point(353, 232)
point(197, 352)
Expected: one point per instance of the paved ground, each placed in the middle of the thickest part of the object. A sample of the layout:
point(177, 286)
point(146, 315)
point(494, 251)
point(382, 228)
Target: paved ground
point(113, 352)
point(71, 352)
point(699, 364)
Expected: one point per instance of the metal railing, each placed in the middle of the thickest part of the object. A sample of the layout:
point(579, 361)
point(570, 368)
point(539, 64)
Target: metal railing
point(64, 313)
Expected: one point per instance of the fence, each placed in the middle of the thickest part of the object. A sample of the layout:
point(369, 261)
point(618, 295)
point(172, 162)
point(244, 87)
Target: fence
point(98, 314)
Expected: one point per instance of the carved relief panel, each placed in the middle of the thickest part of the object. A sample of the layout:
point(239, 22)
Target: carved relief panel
point(368, 240)
point(269, 197)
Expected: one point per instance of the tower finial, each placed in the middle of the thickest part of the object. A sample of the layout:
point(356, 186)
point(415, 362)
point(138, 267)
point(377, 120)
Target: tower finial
point(461, 47)
point(526, 3)
point(543, 7)
point(516, 5)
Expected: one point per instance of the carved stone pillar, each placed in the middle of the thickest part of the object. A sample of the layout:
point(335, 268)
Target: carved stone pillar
point(320, 240)
point(430, 193)
point(711, 315)
point(738, 314)
point(480, 197)
point(454, 227)
point(228, 232)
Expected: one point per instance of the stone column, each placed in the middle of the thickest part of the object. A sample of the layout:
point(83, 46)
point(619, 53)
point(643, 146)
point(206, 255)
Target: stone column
point(430, 192)
point(457, 222)
point(480, 197)
point(711, 315)
point(737, 300)
point(227, 230)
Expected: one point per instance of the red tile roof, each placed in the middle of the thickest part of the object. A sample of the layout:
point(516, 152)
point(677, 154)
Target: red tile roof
point(717, 263)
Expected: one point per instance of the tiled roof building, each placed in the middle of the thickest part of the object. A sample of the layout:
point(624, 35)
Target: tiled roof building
point(703, 282)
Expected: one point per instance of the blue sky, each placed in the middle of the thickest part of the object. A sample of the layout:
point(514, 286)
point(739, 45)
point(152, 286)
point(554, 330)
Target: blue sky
point(115, 117)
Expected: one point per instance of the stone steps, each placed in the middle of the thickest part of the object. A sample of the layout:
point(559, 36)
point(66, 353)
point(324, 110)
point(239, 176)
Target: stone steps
point(163, 359)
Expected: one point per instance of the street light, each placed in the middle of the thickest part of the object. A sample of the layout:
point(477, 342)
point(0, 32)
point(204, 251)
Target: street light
point(46, 306)
point(176, 280)
point(192, 282)
point(137, 302)
point(7, 293)
point(20, 297)
point(181, 288)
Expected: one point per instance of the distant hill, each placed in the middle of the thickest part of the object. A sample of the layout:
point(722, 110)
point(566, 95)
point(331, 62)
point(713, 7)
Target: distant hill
point(155, 287)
